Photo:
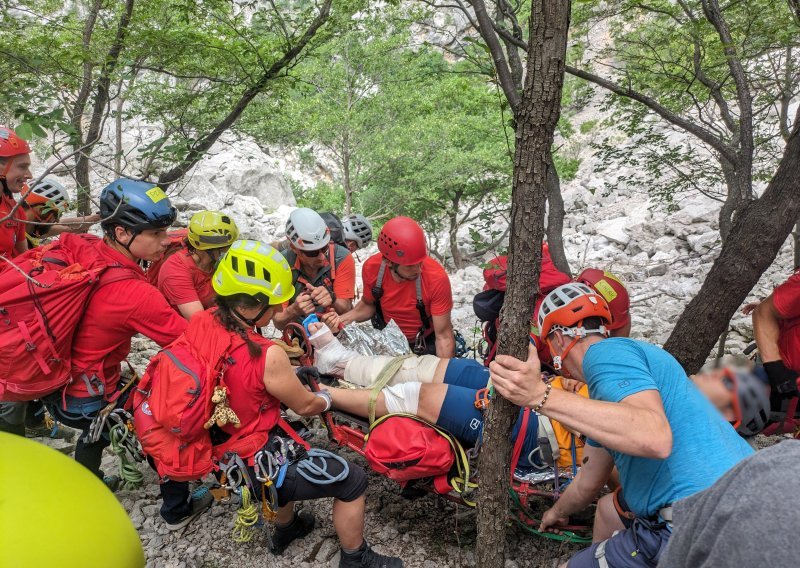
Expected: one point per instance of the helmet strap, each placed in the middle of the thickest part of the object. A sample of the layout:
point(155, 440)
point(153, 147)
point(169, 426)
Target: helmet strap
point(251, 322)
point(577, 333)
point(115, 240)
point(393, 267)
point(558, 359)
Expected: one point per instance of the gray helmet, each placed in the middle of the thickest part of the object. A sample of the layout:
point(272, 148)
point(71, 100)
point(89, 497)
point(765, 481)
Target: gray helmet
point(357, 228)
point(307, 230)
point(752, 405)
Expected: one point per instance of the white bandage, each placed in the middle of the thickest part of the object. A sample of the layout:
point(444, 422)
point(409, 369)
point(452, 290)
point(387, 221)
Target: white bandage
point(363, 371)
point(331, 357)
point(402, 398)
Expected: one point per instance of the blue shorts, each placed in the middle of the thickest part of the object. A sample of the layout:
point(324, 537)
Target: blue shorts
point(639, 545)
point(466, 373)
point(459, 416)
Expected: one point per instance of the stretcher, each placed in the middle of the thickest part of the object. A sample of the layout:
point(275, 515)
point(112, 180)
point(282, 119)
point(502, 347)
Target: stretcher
point(529, 496)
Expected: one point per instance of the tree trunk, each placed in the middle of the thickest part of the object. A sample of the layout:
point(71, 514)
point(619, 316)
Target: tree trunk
point(348, 188)
point(100, 108)
point(536, 121)
point(555, 221)
point(82, 167)
point(797, 245)
point(759, 230)
point(452, 217)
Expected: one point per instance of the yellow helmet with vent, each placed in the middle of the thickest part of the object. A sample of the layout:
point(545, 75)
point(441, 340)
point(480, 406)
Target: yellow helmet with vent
point(211, 229)
point(256, 269)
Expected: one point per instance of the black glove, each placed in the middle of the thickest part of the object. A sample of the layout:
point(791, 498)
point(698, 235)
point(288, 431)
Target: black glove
point(782, 379)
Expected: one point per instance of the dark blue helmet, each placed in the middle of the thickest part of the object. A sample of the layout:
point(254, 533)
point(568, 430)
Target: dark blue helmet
point(135, 205)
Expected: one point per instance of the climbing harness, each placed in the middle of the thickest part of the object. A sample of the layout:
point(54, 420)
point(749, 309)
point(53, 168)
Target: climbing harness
point(379, 321)
point(99, 422)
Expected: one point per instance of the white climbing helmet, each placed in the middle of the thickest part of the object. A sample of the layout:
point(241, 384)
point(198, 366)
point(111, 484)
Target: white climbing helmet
point(357, 228)
point(49, 191)
point(567, 306)
point(307, 230)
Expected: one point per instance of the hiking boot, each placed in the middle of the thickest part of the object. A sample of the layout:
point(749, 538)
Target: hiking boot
point(112, 482)
point(282, 537)
point(42, 430)
point(365, 557)
point(199, 506)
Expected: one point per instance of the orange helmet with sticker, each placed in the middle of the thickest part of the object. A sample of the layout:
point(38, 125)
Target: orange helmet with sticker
point(613, 292)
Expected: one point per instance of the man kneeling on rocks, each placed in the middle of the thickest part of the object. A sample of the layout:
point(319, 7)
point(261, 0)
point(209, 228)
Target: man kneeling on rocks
point(644, 416)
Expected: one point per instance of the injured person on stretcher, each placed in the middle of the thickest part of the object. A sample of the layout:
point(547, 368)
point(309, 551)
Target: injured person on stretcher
point(443, 392)
point(440, 391)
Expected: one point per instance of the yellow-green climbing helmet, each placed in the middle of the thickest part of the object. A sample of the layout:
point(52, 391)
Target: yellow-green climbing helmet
point(256, 269)
point(211, 229)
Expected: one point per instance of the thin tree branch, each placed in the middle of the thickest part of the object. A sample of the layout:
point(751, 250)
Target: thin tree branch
point(488, 34)
point(683, 123)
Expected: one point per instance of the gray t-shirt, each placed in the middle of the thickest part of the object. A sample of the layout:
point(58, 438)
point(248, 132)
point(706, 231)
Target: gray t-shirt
point(749, 517)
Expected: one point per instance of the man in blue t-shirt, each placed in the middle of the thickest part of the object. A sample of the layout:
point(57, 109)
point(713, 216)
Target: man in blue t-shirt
point(644, 416)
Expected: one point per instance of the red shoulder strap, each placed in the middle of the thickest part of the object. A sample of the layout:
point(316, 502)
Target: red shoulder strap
point(523, 430)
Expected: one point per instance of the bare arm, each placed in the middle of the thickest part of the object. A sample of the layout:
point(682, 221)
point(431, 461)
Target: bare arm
point(21, 246)
point(637, 425)
point(445, 339)
point(362, 312)
point(595, 471)
point(283, 384)
point(188, 309)
point(300, 308)
point(766, 329)
point(342, 306)
point(73, 225)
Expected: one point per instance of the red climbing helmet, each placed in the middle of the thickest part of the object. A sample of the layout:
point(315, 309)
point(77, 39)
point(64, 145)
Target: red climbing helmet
point(402, 241)
point(613, 292)
point(11, 145)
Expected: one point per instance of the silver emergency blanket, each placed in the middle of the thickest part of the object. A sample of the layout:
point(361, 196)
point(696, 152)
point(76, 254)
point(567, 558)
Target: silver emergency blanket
point(367, 340)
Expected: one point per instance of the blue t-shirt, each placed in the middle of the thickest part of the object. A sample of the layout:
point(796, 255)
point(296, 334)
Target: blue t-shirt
point(704, 445)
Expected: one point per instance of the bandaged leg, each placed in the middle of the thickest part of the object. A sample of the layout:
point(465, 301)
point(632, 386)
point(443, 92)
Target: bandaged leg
point(363, 371)
point(330, 356)
point(402, 398)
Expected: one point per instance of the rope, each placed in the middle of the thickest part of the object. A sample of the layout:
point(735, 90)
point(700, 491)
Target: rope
point(566, 536)
point(319, 475)
point(246, 517)
point(123, 444)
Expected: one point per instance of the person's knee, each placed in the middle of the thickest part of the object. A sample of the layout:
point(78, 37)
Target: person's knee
point(355, 484)
point(12, 413)
point(403, 398)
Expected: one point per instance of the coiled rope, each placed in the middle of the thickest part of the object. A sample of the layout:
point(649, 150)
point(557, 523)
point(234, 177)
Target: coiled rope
point(123, 444)
point(246, 518)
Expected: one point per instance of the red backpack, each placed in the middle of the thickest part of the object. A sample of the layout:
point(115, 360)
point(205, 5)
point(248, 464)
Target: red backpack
point(42, 299)
point(177, 239)
point(173, 402)
point(405, 447)
point(488, 303)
